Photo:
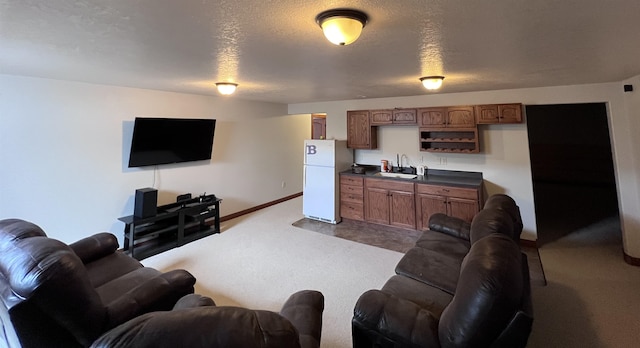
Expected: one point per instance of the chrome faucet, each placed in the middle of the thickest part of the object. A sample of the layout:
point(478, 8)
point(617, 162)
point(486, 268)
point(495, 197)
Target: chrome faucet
point(403, 156)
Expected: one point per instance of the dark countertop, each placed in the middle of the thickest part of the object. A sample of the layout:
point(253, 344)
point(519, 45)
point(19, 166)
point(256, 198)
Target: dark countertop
point(433, 176)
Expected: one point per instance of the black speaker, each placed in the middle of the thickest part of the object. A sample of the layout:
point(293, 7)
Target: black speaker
point(628, 88)
point(146, 203)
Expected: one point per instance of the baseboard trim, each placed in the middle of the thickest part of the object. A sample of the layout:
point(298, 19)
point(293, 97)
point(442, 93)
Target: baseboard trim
point(258, 207)
point(633, 261)
point(529, 243)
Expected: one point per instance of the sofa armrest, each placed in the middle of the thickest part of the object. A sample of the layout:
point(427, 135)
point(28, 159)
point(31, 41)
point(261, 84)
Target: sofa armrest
point(304, 310)
point(160, 293)
point(450, 225)
point(385, 320)
point(94, 247)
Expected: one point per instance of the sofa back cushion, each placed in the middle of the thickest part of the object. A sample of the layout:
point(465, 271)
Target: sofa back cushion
point(203, 327)
point(16, 229)
point(488, 295)
point(508, 205)
point(489, 221)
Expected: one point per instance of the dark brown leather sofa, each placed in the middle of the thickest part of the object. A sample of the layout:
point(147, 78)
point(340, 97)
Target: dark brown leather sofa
point(59, 295)
point(462, 285)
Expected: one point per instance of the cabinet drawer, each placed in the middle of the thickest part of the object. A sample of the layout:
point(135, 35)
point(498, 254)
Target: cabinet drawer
point(350, 189)
point(448, 191)
point(351, 180)
point(351, 197)
point(391, 185)
point(353, 211)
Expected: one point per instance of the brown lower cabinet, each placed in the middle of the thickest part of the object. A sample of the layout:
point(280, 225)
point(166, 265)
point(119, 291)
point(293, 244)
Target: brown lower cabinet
point(460, 202)
point(402, 203)
point(389, 202)
point(351, 197)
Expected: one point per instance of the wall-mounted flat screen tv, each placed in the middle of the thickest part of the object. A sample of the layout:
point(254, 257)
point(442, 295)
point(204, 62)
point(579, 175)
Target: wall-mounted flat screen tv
point(170, 140)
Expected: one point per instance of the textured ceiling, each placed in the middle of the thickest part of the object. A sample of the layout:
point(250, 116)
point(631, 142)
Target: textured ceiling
point(276, 52)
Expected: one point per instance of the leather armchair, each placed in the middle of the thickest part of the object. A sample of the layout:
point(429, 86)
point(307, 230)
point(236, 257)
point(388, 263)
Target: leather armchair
point(197, 323)
point(60, 295)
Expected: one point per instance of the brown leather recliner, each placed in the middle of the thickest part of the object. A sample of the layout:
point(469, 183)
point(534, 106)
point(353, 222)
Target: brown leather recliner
point(59, 295)
point(197, 323)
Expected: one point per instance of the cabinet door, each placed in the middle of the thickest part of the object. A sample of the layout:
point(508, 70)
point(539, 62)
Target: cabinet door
point(360, 134)
point(402, 209)
point(405, 116)
point(381, 117)
point(430, 117)
point(510, 113)
point(487, 114)
point(427, 205)
point(377, 205)
point(464, 209)
point(461, 116)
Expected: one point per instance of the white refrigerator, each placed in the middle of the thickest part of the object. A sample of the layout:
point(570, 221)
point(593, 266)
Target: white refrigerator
point(323, 161)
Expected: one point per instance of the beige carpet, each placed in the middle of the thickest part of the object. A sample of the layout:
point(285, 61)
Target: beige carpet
point(260, 259)
point(592, 297)
point(591, 300)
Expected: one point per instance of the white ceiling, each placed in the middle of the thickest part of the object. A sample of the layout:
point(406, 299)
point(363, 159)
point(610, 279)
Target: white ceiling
point(276, 52)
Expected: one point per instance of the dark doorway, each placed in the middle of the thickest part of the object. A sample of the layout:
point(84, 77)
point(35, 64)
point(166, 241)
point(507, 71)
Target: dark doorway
point(572, 168)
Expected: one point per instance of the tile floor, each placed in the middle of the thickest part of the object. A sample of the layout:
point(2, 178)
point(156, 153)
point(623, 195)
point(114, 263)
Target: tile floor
point(399, 239)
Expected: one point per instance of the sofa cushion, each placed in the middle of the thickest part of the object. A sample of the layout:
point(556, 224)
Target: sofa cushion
point(435, 260)
point(114, 289)
point(437, 269)
point(110, 267)
point(489, 293)
point(427, 297)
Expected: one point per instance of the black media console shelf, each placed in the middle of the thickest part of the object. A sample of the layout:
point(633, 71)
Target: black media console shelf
point(174, 225)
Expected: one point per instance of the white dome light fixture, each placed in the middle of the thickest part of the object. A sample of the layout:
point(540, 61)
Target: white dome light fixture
point(226, 88)
point(342, 26)
point(432, 82)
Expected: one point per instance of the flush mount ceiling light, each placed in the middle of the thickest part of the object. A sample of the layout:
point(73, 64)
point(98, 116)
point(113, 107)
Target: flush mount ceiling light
point(342, 26)
point(226, 88)
point(432, 82)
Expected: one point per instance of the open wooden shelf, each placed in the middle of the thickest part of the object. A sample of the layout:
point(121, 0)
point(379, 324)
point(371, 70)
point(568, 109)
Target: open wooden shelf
point(455, 140)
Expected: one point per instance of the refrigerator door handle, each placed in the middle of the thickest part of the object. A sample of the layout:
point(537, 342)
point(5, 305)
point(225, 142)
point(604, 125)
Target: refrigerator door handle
point(304, 177)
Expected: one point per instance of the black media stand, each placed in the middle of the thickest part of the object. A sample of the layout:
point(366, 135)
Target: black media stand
point(174, 225)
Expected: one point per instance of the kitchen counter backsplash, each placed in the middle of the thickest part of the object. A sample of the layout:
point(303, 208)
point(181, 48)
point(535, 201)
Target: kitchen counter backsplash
point(432, 176)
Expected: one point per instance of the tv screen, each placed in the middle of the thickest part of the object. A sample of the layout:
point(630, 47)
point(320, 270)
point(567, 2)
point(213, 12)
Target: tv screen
point(170, 140)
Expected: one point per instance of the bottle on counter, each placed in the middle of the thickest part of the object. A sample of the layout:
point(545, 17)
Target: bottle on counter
point(384, 166)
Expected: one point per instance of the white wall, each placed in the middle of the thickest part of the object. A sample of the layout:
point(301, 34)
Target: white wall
point(631, 170)
point(504, 157)
point(64, 150)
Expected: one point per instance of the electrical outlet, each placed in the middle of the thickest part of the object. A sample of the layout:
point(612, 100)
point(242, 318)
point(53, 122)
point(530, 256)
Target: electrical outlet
point(284, 184)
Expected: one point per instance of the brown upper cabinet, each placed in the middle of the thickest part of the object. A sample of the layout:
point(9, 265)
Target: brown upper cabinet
point(499, 113)
point(360, 133)
point(395, 116)
point(449, 116)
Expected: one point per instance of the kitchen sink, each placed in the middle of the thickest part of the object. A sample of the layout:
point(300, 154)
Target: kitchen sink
point(397, 175)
